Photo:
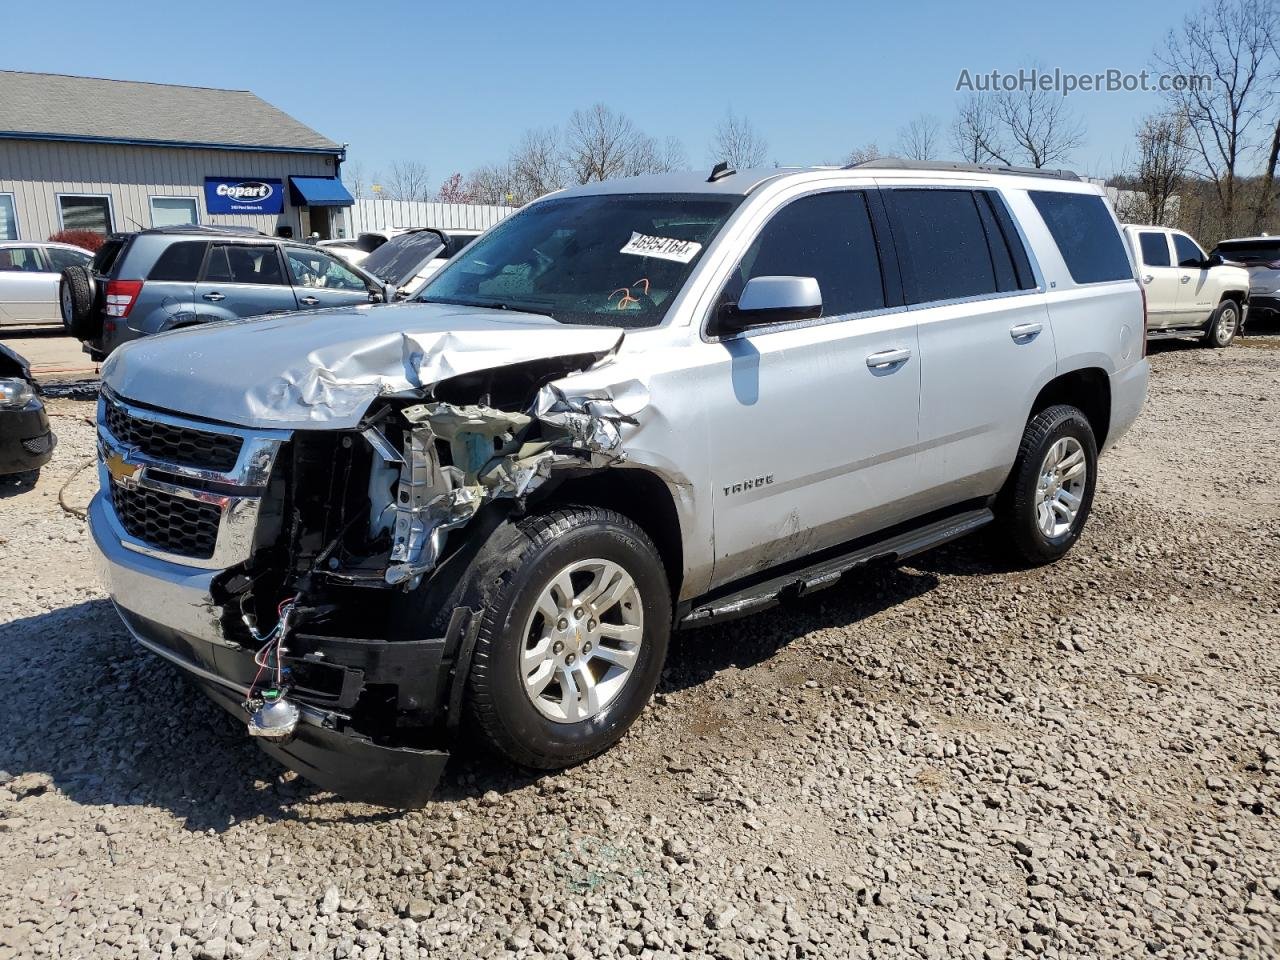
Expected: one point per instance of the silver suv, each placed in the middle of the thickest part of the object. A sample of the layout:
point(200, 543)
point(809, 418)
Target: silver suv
point(631, 407)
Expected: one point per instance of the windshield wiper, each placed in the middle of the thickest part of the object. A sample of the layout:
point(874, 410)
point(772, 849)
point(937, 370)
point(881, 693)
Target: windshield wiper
point(532, 306)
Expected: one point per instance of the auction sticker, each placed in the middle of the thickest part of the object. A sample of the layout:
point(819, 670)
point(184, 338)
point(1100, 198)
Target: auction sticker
point(664, 248)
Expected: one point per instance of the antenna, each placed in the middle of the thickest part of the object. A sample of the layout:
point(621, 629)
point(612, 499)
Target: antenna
point(720, 171)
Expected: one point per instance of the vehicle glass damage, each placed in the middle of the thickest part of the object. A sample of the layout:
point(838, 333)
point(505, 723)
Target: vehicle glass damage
point(341, 482)
point(611, 258)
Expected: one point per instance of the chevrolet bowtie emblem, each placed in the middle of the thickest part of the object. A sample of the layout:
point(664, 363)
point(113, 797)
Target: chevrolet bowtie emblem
point(121, 470)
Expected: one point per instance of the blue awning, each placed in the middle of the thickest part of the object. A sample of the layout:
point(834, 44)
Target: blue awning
point(319, 192)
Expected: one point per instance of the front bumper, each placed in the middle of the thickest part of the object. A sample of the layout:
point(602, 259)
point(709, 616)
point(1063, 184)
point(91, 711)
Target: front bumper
point(26, 440)
point(169, 609)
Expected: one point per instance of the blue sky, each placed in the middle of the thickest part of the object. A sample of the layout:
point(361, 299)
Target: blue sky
point(453, 85)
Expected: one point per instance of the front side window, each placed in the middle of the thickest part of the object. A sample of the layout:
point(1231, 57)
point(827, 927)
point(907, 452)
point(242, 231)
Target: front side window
point(243, 263)
point(1189, 254)
point(617, 259)
point(311, 268)
point(8, 219)
point(942, 245)
point(827, 236)
point(60, 258)
point(1086, 235)
point(1155, 249)
point(173, 211)
point(19, 260)
point(85, 213)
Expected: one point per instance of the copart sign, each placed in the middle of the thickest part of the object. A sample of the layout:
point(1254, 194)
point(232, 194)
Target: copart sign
point(243, 195)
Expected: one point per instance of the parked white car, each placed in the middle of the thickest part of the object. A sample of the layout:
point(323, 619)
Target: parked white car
point(29, 275)
point(1189, 294)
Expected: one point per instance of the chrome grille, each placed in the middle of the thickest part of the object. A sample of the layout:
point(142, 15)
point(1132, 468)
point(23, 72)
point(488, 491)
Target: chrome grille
point(187, 528)
point(179, 445)
point(181, 489)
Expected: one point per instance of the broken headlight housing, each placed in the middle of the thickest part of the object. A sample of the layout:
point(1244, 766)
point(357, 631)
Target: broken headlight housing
point(15, 393)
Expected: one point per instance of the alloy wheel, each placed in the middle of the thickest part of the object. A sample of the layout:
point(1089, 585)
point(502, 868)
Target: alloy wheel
point(1061, 486)
point(582, 640)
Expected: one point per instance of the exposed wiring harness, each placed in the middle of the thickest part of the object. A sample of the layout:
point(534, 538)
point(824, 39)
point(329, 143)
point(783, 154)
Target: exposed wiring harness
point(271, 648)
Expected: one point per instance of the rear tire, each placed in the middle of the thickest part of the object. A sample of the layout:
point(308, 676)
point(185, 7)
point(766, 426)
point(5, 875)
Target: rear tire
point(559, 674)
point(1047, 498)
point(76, 296)
point(1223, 325)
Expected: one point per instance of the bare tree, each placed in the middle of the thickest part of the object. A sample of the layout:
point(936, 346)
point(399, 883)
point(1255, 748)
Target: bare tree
point(1043, 130)
point(736, 142)
point(493, 185)
point(1225, 57)
point(408, 180)
point(601, 144)
point(538, 164)
point(921, 138)
point(868, 151)
point(649, 156)
point(975, 131)
point(1164, 154)
point(355, 179)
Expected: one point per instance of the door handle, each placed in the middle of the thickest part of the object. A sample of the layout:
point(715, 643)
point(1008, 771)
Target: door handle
point(309, 301)
point(1025, 331)
point(1186, 279)
point(1148, 278)
point(888, 358)
point(215, 296)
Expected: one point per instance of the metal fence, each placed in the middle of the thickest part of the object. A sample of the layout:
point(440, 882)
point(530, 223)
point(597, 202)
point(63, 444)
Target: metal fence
point(388, 214)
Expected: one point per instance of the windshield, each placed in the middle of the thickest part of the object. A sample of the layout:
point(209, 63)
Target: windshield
point(1251, 252)
point(399, 258)
point(617, 259)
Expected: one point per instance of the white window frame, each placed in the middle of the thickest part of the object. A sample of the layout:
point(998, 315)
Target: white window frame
point(151, 204)
point(13, 206)
point(111, 209)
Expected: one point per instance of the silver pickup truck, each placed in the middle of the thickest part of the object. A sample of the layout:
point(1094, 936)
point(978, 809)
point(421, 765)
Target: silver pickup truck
point(631, 407)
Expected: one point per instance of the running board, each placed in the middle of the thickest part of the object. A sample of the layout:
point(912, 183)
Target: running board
point(1176, 333)
point(826, 572)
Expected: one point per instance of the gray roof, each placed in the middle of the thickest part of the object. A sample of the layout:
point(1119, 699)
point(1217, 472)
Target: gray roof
point(55, 106)
point(684, 181)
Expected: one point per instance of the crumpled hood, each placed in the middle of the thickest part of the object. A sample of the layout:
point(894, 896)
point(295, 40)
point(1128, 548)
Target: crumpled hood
point(323, 369)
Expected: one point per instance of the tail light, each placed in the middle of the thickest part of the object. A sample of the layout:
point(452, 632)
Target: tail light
point(1143, 290)
point(121, 296)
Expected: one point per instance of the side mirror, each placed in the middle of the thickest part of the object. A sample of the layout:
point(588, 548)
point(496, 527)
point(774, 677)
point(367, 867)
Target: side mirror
point(1212, 260)
point(766, 300)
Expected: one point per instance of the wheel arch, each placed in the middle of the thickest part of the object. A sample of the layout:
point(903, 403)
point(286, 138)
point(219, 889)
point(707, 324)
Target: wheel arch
point(645, 498)
point(1088, 389)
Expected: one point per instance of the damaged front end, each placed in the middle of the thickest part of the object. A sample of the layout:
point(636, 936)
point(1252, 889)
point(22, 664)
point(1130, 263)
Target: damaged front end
point(336, 662)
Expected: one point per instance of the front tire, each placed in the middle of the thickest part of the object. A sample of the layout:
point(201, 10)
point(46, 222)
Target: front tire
point(574, 631)
point(1223, 325)
point(1048, 496)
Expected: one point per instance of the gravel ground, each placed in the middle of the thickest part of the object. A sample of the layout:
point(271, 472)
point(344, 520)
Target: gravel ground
point(951, 759)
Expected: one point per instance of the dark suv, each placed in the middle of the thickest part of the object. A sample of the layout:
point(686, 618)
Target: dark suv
point(172, 277)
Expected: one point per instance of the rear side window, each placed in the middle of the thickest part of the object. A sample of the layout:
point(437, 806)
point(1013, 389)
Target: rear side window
point(942, 245)
point(1155, 249)
point(60, 258)
point(1086, 235)
point(230, 263)
point(180, 263)
point(827, 236)
point(1189, 255)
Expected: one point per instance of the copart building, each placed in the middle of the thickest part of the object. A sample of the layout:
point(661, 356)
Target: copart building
point(81, 153)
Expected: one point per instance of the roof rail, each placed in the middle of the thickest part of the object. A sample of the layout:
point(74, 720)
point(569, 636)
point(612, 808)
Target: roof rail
point(895, 163)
